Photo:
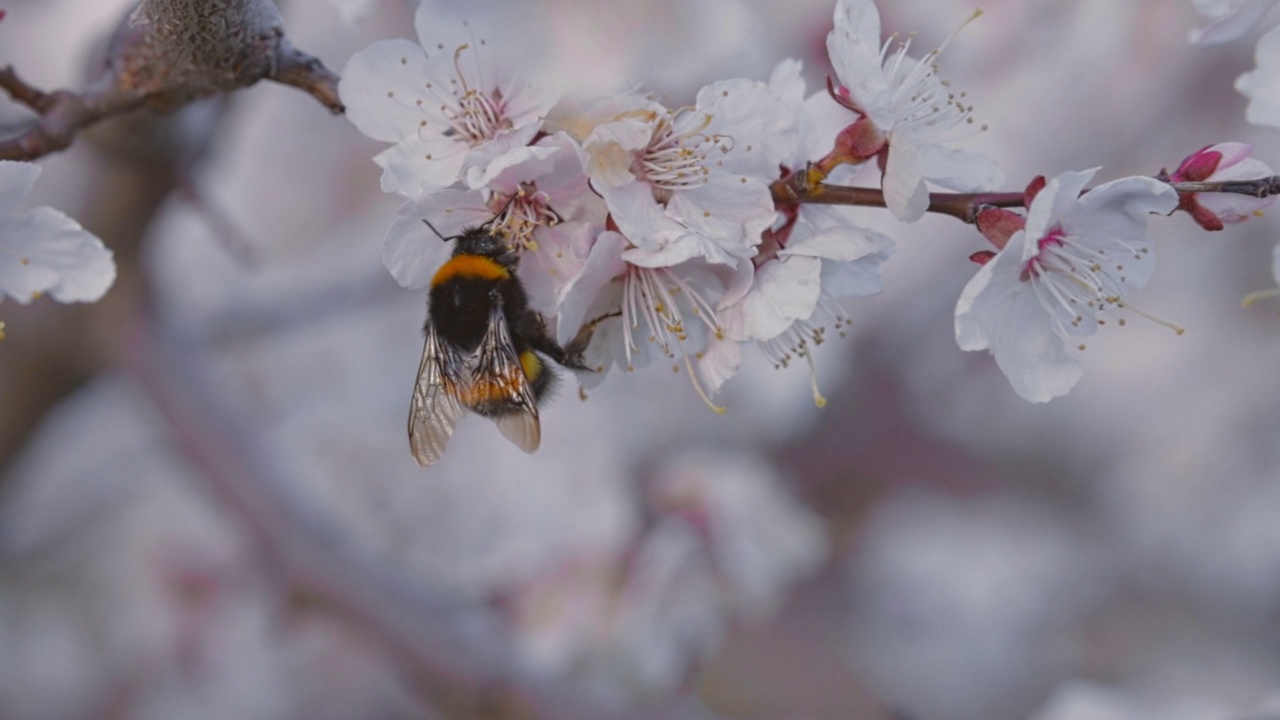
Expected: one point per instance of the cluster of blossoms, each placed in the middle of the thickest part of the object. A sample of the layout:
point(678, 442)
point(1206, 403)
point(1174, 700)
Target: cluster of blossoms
point(681, 235)
point(42, 251)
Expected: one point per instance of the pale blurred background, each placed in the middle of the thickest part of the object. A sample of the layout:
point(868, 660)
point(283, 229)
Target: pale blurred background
point(928, 544)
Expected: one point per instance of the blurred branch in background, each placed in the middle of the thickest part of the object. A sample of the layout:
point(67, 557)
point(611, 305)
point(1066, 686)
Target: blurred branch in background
point(450, 653)
point(163, 58)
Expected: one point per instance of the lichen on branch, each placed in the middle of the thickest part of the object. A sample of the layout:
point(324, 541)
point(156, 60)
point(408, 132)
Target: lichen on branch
point(165, 55)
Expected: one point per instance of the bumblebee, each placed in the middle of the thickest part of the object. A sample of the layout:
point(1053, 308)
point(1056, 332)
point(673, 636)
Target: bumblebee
point(485, 350)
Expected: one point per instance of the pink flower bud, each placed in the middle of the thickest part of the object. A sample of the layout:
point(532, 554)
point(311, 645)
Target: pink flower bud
point(1218, 163)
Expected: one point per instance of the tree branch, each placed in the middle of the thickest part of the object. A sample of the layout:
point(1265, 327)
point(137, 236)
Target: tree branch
point(164, 56)
point(796, 189)
point(448, 651)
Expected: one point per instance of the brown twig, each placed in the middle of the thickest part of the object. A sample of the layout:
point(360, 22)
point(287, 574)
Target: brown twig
point(62, 115)
point(965, 206)
point(298, 69)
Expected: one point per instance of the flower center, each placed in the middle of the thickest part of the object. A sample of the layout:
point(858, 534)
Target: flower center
point(1078, 277)
point(523, 212)
point(654, 295)
point(923, 105)
point(799, 340)
point(474, 116)
point(677, 157)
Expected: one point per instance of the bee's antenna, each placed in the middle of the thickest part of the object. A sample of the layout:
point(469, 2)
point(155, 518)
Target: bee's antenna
point(437, 232)
point(503, 209)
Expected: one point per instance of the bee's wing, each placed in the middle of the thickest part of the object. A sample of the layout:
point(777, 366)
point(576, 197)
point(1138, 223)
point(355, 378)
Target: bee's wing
point(498, 376)
point(435, 408)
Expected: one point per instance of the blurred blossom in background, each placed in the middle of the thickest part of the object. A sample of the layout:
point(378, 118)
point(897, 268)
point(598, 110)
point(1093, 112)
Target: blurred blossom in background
point(928, 543)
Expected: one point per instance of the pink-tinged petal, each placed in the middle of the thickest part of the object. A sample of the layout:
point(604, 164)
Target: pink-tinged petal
point(1230, 208)
point(415, 167)
point(381, 88)
point(44, 251)
point(857, 63)
point(1262, 85)
point(603, 265)
point(785, 290)
point(412, 251)
point(1057, 199)
point(561, 255)
point(960, 170)
point(1244, 169)
point(1234, 153)
point(905, 193)
point(1231, 20)
point(16, 181)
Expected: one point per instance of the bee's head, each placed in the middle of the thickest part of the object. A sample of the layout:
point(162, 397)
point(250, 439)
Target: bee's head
point(479, 241)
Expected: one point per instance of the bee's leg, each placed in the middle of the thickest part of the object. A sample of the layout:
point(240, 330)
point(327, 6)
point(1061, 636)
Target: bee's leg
point(533, 328)
point(578, 345)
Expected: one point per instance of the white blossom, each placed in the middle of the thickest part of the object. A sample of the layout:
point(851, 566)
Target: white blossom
point(691, 182)
point(1060, 278)
point(814, 255)
point(915, 110)
point(42, 251)
point(447, 107)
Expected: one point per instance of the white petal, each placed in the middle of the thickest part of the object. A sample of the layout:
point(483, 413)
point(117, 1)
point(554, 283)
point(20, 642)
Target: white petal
point(1116, 213)
point(829, 233)
point(717, 363)
point(412, 251)
point(381, 87)
point(508, 149)
point(726, 210)
point(415, 167)
point(611, 148)
point(905, 193)
point(785, 290)
point(999, 312)
point(44, 251)
point(860, 18)
point(960, 170)
point(970, 322)
point(857, 278)
point(762, 126)
point(786, 80)
point(1032, 357)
